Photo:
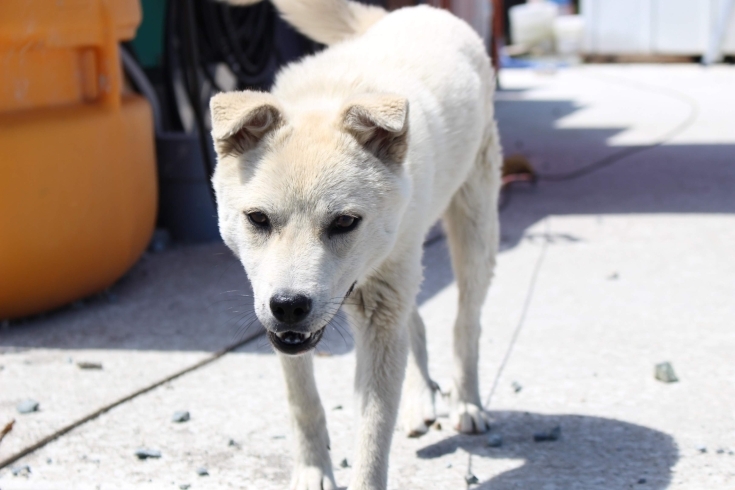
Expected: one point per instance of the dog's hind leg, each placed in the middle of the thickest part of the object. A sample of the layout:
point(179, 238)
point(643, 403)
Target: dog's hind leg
point(471, 222)
point(313, 470)
point(418, 410)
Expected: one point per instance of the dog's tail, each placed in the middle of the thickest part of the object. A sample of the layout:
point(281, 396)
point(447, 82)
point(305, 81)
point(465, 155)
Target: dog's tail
point(325, 21)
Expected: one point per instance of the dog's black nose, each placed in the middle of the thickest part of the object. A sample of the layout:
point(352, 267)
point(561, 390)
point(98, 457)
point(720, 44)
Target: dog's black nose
point(290, 308)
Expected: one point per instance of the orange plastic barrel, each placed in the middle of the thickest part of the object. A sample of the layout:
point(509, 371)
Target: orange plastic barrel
point(77, 161)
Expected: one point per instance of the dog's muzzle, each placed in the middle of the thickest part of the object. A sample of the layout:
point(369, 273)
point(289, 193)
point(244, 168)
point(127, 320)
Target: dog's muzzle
point(293, 343)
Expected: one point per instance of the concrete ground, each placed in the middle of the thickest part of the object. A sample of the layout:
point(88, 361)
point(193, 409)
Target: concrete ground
point(601, 276)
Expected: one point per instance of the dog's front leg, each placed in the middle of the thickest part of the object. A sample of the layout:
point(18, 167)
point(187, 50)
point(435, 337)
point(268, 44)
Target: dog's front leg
point(313, 469)
point(381, 342)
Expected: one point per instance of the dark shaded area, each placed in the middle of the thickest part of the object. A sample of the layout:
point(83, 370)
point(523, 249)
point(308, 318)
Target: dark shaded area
point(664, 179)
point(186, 298)
point(197, 297)
point(630, 453)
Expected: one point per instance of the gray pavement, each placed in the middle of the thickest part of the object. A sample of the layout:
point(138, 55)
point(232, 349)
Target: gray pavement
point(599, 278)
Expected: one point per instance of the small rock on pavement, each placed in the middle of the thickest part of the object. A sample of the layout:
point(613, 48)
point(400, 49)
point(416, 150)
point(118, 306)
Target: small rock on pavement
point(233, 443)
point(641, 481)
point(702, 449)
point(110, 296)
point(516, 386)
point(494, 440)
point(23, 470)
point(145, 453)
point(550, 435)
point(471, 479)
point(184, 486)
point(181, 416)
point(160, 241)
point(344, 463)
point(89, 365)
point(27, 406)
point(665, 373)
point(202, 471)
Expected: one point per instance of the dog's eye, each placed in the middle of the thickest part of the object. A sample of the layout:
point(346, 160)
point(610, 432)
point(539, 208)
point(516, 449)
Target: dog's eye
point(259, 219)
point(344, 224)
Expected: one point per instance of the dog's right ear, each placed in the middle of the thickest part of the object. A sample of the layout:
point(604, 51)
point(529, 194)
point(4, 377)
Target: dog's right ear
point(240, 120)
point(380, 123)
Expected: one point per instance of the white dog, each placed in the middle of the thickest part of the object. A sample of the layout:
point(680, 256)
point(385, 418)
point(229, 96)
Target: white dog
point(326, 188)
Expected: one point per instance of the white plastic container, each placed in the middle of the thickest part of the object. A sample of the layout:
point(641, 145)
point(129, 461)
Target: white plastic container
point(532, 23)
point(569, 34)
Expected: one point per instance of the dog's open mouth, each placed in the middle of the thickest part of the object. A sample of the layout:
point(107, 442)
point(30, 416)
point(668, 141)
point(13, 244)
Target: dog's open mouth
point(295, 342)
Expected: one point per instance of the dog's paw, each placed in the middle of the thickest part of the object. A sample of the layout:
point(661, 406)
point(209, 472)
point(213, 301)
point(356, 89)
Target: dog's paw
point(419, 411)
point(312, 478)
point(469, 418)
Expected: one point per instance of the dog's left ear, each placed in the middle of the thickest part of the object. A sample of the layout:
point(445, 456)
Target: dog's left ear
point(240, 120)
point(380, 123)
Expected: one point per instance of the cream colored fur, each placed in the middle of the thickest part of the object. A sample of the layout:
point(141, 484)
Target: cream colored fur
point(392, 123)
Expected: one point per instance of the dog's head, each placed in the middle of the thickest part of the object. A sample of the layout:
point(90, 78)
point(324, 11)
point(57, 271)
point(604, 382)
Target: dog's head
point(309, 199)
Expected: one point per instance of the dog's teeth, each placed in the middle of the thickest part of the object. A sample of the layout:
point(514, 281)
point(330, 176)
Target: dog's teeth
point(307, 335)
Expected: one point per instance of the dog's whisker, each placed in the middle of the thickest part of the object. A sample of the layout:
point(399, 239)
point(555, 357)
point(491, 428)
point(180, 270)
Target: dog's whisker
point(239, 331)
point(242, 330)
point(340, 334)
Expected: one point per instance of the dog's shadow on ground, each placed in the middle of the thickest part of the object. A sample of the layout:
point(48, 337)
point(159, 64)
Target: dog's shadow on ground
point(633, 456)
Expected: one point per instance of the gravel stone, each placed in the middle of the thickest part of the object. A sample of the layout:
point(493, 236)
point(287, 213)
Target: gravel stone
point(184, 486)
point(160, 241)
point(471, 479)
point(181, 416)
point(665, 372)
point(202, 471)
point(344, 463)
point(233, 443)
point(145, 453)
point(516, 386)
point(550, 435)
point(494, 440)
point(27, 406)
point(89, 365)
point(22, 470)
